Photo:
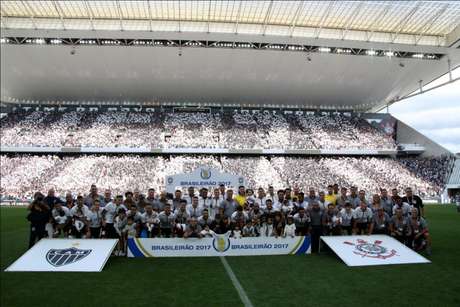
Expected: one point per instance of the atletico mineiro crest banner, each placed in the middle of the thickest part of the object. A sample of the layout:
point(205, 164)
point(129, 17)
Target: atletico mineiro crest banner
point(65, 255)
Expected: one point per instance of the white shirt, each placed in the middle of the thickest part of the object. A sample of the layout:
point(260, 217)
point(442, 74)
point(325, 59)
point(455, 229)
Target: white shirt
point(303, 204)
point(277, 205)
point(150, 218)
point(204, 202)
point(405, 209)
point(236, 214)
point(215, 204)
point(346, 217)
point(286, 208)
point(75, 209)
point(323, 204)
point(266, 230)
point(261, 202)
point(362, 216)
point(137, 217)
point(61, 219)
point(194, 211)
point(66, 210)
point(111, 210)
point(274, 198)
point(95, 218)
point(204, 222)
point(289, 230)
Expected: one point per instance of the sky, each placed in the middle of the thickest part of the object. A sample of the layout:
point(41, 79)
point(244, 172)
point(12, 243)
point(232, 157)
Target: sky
point(436, 114)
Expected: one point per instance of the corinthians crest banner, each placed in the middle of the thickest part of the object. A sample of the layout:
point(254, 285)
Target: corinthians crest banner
point(372, 250)
point(65, 255)
point(203, 177)
point(218, 245)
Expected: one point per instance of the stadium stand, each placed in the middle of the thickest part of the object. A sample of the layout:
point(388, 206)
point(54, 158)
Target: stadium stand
point(191, 130)
point(22, 175)
point(453, 183)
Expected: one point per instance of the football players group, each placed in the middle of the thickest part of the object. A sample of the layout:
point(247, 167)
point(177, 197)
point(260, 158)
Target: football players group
point(288, 212)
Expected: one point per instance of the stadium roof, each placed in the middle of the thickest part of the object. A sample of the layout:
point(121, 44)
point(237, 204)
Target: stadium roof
point(359, 55)
point(410, 22)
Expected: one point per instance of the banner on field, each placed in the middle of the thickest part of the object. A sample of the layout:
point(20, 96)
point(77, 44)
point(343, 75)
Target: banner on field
point(65, 255)
point(372, 250)
point(203, 177)
point(219, 245)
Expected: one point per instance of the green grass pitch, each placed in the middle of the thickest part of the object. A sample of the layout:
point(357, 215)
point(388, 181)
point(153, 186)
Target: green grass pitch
point(311, 280)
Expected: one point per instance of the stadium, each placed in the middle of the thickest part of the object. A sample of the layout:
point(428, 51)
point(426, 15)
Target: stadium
point(287, 102)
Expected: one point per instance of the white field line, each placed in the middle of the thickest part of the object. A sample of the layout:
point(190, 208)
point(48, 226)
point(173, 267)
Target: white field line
point(243, 296)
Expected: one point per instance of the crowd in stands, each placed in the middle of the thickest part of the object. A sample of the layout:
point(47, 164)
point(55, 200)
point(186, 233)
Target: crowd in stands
point(238, 213)
point(432, 170)
point(22, 174)
point(262, 130)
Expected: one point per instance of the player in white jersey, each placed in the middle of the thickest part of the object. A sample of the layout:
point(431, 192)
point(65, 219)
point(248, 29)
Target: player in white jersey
point(419, 237)
point(346, 215)
point(194, 210)
point(95, 220)
point(62, 219)
point(120, 222)
point(362, 217)
point(302, 222)
point(79, 214)
point(289, 228)
point(150, 221)
point(108, 215)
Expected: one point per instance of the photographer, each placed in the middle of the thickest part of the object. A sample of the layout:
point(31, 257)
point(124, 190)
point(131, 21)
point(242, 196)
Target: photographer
point(38, 217)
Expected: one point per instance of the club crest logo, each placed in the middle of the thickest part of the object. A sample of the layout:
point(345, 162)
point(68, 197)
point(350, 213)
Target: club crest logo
point(60, 257)
point(371, 250)
point(205, 174)
point(221, 243)
point(170, 180)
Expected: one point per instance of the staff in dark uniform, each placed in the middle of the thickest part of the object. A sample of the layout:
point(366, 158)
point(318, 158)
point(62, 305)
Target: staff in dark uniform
point(316, 218)
point(38, 216)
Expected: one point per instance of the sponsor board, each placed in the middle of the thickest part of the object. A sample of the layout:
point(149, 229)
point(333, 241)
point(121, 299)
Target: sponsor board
point(203, 177)
point(218, 245)
point(65, 255)
point(372, 250)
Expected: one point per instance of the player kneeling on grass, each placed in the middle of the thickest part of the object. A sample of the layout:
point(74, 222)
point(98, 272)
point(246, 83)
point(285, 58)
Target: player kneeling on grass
point(207, 232)
point(381, 222)
point(236, 231)
point(302, 222)
point(362, 217)
point(331, 221)
point(346, 216)
point(419, 237)
point(249, 230)
point(151, 222)
point(95, 220)
point(289, 228)
point(79, 214)
point(62, 219)
point(193, 229)
point(399, 227)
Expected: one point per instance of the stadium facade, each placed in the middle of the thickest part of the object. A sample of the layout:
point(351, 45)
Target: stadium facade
point(250, 56)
